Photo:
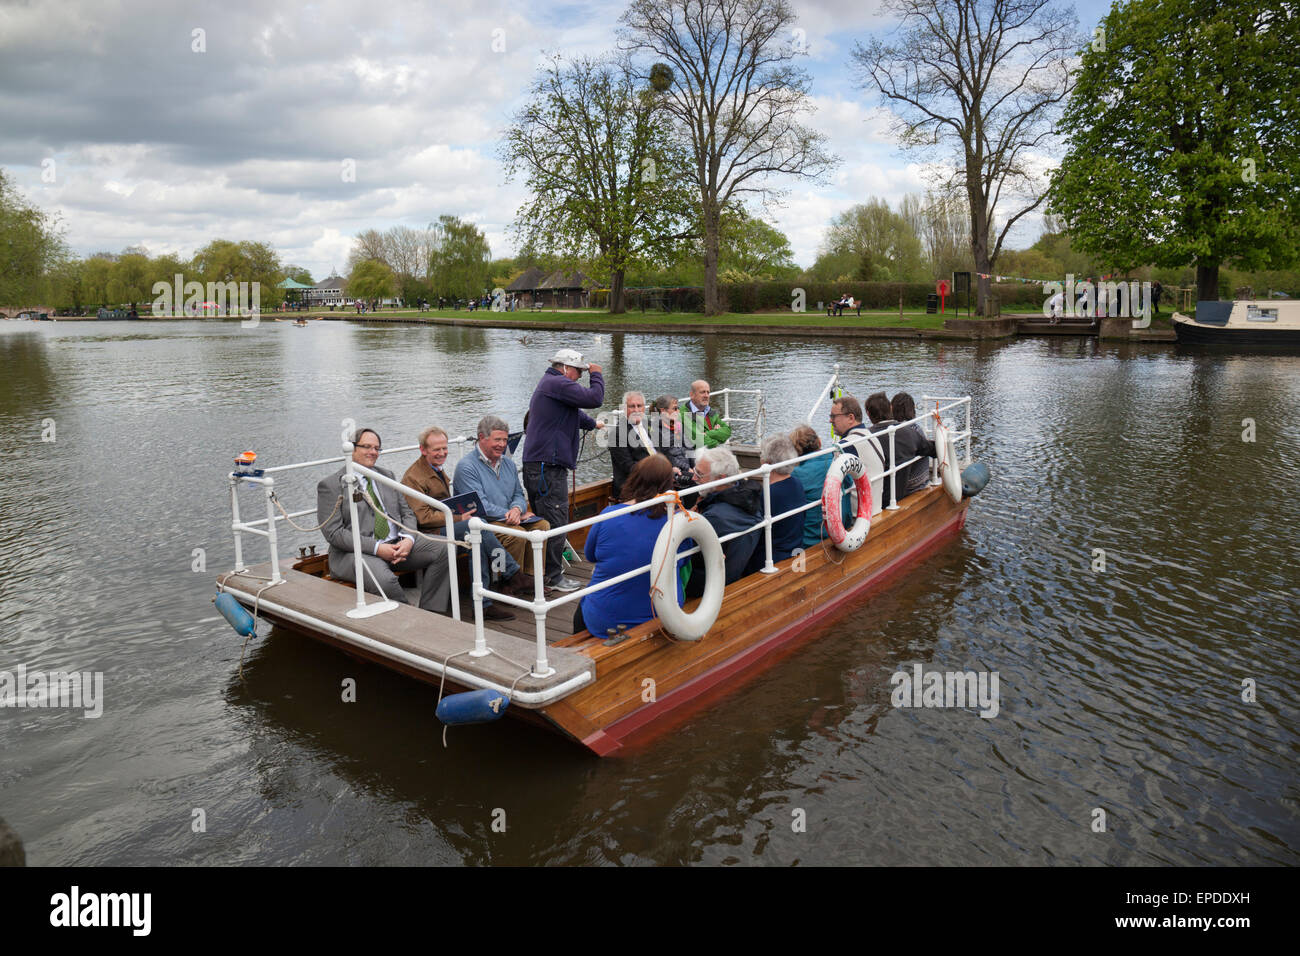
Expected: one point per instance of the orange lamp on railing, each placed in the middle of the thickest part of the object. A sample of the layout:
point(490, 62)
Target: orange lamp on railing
point(244, 465)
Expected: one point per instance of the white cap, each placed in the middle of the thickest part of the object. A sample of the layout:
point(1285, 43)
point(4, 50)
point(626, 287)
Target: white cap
point(569, 357)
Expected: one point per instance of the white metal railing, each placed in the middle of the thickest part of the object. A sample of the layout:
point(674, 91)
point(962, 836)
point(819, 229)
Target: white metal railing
point(725, 394)
point(540, 606)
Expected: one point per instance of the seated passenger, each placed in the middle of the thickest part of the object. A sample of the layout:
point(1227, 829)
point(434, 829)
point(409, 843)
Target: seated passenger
point(846, 419)
point(622, 544)
point(878, 410)
point(426, 475)
point(625, 446)
point(493, 475)
point(811, 475)
point(702, 427)
point(386, 549)
point(786, 494)
point(908, 443)
point(728, 508)
point(668, 439)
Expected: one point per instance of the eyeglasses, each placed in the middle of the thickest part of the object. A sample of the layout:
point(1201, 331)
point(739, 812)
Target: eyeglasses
point(835, 415)
point(367, 447)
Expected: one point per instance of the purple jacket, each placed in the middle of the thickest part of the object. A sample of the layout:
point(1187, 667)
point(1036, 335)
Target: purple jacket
point(554, 418)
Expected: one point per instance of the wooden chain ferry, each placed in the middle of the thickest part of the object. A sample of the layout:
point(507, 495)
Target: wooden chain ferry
point(598, 691)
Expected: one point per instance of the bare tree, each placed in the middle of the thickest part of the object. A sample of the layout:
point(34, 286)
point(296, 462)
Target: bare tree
point(368, 245)
point(725, 69)
point(984, 77)
point(406, 251)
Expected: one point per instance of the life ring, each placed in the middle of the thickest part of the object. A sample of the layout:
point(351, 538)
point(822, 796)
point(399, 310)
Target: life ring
point(663, 584)
point(949, 472)
point(832, 488)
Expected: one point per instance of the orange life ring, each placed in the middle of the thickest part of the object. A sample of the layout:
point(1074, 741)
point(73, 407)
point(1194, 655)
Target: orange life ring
point(832, 490)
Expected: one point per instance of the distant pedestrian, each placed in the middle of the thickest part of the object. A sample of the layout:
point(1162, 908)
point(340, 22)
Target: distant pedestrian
point(1156, 291)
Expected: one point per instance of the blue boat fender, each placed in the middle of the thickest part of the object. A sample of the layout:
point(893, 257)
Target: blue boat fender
point(236, 614)
point(974, 478)
point(473, 707)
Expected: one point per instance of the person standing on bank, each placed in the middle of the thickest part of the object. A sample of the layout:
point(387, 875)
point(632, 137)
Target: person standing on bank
point(555, 417)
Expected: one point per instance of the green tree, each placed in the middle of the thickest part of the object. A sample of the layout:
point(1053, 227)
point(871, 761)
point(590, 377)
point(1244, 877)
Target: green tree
point(95, 275)
point(225, 261)
point(30, 246)
point(879, 241)
point(1182, 136)
point(371, 279)
point(131, 279)
point(459, 258)
point(605, 177)
point(728, 79)
point(751, 248)
point(299, 274)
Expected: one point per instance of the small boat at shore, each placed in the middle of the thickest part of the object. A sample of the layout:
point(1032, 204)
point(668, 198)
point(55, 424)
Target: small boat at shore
point(599, 691)
point(1241, 322)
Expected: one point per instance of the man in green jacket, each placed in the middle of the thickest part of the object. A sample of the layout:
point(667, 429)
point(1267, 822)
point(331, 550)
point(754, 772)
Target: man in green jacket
point(701, 426)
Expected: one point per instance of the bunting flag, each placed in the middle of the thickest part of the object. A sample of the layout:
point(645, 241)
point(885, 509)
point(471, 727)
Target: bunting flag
point(998, 278)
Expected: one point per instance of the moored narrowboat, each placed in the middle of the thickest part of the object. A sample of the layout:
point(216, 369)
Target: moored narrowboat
point(1241, 322)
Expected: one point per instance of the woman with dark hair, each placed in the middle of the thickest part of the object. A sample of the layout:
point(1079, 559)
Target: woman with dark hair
point(811, 475)
point(667, 437)
point(621, 544)
point(909, 442)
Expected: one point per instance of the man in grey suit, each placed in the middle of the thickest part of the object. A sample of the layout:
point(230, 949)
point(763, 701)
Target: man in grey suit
point(386, 549)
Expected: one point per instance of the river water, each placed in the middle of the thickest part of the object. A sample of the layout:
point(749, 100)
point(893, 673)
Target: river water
point(1130, 573)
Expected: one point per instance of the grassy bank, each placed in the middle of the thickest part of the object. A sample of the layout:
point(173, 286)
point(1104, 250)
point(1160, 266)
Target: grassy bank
point(598, 318)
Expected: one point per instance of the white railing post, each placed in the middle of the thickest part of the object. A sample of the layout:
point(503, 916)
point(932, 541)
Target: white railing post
point(538, 539)
point(270, 531)
point(351, 484)
point(968, 458)
point(768, 566)
point(893, 479)
point(234, 524)
point(726, 405)
point(475, 537)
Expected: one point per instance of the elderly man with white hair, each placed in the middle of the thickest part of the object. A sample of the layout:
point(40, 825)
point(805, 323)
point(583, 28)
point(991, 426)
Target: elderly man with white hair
point(729, 508)
point(628, 446)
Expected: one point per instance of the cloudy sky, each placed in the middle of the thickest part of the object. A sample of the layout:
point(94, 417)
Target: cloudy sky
point(112, 116)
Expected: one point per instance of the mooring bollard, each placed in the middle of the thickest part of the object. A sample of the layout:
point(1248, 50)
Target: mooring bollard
point(11, 848)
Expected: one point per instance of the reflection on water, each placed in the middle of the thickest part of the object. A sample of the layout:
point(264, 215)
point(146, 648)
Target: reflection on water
point(1130, 565)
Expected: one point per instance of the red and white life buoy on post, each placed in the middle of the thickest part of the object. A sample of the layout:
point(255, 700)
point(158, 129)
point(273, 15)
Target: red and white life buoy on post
point(832, 490)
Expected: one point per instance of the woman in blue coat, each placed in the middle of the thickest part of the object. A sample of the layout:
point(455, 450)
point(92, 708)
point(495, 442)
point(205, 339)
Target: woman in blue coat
point(812, 475)
point(621, 544)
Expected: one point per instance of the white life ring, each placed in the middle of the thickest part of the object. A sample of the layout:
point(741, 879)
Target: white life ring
point(832, 488)
point(949, 470)
point(663, 570)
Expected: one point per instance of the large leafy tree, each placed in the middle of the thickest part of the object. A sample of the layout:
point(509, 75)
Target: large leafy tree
point(30, 246)
point(877, 242)
point(728, 78)
point(1182, 138)
point(371, 279)
point(223, 260)
point(606, 180)
point(983, 79)
point(459, 258)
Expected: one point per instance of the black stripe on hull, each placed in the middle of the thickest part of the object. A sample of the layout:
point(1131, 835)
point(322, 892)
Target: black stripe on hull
point(1200, 335)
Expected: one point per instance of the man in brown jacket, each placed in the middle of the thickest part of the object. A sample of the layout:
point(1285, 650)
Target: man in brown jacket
point(426, 475)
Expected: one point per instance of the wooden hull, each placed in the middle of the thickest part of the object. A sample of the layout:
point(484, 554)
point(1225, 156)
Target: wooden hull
point(648, 678)
point(760, 614)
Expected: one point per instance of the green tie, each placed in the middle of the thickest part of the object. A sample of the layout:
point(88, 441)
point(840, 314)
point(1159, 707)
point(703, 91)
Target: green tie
point(381, 523)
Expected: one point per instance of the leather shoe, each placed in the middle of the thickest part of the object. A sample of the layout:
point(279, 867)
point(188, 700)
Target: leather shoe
point(495, 612)
point(520, 585)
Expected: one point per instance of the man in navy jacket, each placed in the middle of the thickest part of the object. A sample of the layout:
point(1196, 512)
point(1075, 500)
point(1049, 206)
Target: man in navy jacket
point(555, 417)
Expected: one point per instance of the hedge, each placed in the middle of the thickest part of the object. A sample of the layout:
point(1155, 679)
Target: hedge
point(875, 296)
